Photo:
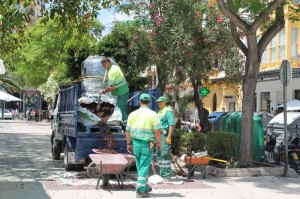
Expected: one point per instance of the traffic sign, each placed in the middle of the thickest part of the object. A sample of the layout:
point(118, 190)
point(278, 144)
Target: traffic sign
point(285, 72)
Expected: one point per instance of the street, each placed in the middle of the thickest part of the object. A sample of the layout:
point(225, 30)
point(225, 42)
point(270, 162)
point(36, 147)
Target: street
point(27, 171)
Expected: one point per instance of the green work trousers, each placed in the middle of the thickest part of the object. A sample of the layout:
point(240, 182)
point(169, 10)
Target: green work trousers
point(122, 104)
point(164, 158)
point(143, 157)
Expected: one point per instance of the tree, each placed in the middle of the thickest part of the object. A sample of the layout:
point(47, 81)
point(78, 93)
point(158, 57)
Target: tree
point(17, 15)
point(248, 17)
point(48, 53)
point(190, 42)
point(9, 83)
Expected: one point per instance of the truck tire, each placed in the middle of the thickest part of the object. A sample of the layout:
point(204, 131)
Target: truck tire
point(68, 166)
point(55, 150)
point(92, 170)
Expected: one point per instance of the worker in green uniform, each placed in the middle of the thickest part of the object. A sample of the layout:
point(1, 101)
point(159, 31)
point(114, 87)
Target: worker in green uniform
point(143, 131)
point(117, 85)
point(166, 117)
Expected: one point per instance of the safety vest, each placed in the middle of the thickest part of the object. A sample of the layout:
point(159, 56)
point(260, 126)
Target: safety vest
point(142, 123)
point(116, 78)
point(166, 119)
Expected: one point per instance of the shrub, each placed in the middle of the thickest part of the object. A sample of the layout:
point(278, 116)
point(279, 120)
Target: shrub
point(193, 141)
point(222, 144)
point(176, 141)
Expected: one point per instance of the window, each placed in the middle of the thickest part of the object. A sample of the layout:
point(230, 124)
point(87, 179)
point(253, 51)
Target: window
point(297, 94)
point(264, 58)
point(265, 101)
point(215, 102)
point(279, 97)
point(294, 43)
point(282, 40)
point(231, 106)
point(273, 47)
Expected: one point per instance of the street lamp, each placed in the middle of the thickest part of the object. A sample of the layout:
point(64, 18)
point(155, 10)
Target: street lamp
point(2, 67)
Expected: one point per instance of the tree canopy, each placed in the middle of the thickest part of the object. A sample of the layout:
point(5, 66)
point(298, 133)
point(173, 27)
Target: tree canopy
point(48, 53)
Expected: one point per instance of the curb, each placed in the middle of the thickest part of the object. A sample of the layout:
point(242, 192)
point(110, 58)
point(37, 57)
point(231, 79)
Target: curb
point(245, 172)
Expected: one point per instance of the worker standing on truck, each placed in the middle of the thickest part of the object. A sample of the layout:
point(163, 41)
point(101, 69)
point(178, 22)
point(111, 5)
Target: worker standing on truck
point(117, 85)
point(143, 130)
point(166, 117)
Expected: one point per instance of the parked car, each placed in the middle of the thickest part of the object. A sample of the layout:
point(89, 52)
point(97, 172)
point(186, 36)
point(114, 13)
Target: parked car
point(215, 119)
point(7, 114)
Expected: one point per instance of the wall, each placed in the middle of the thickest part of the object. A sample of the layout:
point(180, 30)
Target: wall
point(272, 87)
point(225, 93)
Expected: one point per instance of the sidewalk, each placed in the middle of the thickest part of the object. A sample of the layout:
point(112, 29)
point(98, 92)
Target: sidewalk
point(210, 188)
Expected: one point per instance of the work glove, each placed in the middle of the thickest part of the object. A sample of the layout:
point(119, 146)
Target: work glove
point(102, 91)
point(168, 140)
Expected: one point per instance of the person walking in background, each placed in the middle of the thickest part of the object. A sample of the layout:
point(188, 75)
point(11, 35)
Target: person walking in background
point(17, 113)
point(117, 85)
point(36, 115)
point(50, 115)
point(13, 114)
point(143, 130)
point(166, 117)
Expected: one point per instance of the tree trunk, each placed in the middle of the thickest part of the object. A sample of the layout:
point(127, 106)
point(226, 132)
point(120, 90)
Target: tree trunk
point(249, 87)
point(202, 112)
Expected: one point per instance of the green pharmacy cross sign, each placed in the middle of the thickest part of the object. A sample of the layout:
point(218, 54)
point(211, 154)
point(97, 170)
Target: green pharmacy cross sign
point(204, 91)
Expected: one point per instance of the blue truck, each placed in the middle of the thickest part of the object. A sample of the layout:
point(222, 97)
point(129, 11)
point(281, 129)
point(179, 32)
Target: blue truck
point(75, 139)
point(77, 103)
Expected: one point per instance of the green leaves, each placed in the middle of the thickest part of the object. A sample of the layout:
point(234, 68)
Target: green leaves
point(47, 53)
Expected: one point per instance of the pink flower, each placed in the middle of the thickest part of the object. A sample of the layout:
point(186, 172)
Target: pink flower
point(220, 20)
point(159, 21)
point(151, 5)
point(155, 16)
point(205, 40)
point(219, 52)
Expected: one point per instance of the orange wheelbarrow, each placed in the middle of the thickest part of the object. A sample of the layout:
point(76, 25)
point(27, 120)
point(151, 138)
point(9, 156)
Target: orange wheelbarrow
point(196, 162)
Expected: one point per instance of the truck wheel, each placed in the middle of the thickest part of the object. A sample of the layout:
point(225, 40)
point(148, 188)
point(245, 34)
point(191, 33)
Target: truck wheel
point(92, 170)
point(55, 151)
point(68, 166)
point(79, 167)
point(105, 179)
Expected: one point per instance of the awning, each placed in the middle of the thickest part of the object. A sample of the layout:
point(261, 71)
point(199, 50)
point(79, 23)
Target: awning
point(7, 97)
point(292, 105)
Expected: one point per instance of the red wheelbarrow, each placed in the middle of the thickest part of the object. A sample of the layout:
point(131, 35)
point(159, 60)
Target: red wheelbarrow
point(112, 164)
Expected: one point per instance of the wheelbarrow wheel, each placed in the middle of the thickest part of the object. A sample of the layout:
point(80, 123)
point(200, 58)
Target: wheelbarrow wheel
point(105, 179)
point(92, 170)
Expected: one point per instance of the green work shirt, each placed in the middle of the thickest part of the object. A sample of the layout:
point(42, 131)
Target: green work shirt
point(116, 78)
point(166, 117)
point(142, 123)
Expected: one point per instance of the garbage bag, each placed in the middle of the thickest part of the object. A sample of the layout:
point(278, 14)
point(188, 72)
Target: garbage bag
point(86, 117)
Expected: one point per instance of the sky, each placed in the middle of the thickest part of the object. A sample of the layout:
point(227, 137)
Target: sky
point(107, 17)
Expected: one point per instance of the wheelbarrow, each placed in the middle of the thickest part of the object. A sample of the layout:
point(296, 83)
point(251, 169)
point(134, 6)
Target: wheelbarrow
point(112, 164)
point(196, 162)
